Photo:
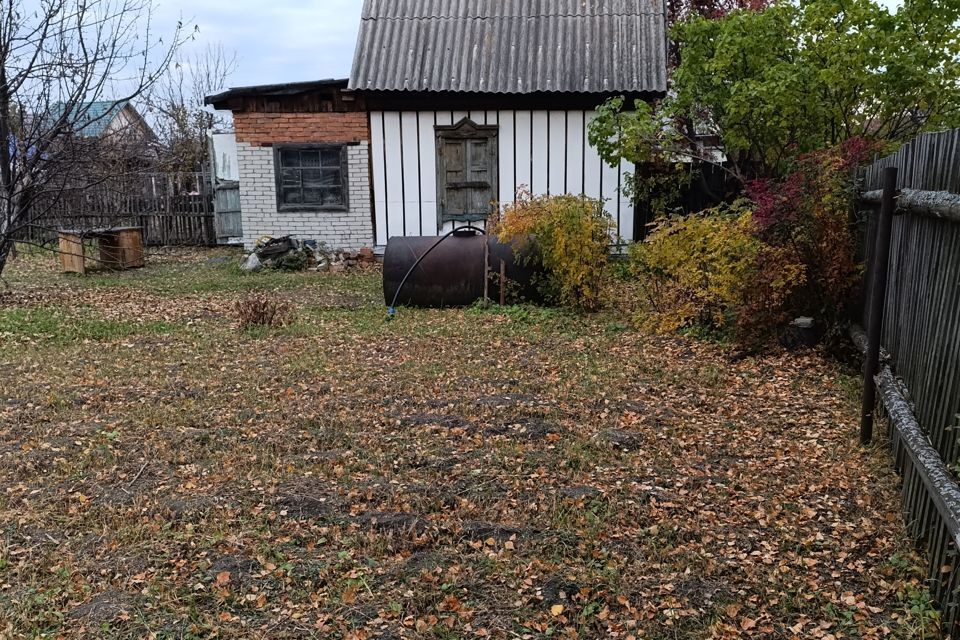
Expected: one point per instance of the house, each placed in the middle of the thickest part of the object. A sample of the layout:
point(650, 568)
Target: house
point(108, 120)
point(452, 106)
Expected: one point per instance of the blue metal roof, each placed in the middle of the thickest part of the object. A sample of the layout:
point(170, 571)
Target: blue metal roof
point(92, 117)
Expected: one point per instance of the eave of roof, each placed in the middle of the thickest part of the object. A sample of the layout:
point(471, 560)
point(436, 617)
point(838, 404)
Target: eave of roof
point(283, 89)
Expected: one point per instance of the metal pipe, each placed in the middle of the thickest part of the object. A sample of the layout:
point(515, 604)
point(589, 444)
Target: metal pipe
point(878, 293)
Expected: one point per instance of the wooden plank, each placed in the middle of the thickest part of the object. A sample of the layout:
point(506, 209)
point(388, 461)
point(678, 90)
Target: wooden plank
point(539, 178)
point(378, 162)
point(576, 142)
point(508, 182)
point(428, 172)
point(523, 134)
point(557, 149)
point(410, 157)
point(71, 253)
point(610, 179)
point(592, 166)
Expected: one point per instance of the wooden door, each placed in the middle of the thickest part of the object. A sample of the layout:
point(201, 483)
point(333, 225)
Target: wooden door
point(466, 171)
point(227, 218)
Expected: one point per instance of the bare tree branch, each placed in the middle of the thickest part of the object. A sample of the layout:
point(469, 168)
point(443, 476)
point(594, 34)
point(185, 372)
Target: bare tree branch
point(56, 61)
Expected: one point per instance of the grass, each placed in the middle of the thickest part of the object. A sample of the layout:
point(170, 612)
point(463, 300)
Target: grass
point(451, 473)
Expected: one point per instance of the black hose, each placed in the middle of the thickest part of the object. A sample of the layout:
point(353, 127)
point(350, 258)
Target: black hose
point(392, 309)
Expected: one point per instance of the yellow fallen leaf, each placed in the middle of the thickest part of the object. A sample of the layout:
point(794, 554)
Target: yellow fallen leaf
point(556, 609)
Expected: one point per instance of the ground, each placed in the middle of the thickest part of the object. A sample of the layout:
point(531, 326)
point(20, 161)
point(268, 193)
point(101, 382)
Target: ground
point(509, 473)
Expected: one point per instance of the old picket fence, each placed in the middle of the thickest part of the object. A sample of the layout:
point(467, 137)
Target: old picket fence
point(173, 209)
point(918, 386)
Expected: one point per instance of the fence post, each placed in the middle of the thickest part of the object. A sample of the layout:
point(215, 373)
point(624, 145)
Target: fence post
point(878, 291)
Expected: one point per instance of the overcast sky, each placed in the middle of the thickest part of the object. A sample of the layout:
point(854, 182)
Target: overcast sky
point(279, 40)
point(275, 40)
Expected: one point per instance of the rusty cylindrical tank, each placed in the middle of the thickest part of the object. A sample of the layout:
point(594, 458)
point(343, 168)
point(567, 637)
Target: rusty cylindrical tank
point(452, 275)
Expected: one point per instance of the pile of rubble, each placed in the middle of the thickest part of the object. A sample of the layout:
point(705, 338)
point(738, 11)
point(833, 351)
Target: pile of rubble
point(291, 254)
point(344, 260)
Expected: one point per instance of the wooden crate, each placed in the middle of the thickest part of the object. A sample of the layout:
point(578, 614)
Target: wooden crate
point(122, 248)
point(71, 253)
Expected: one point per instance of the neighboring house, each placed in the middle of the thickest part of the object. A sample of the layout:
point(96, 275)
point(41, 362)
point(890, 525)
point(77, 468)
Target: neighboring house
point(451, 107)
point(109, 120)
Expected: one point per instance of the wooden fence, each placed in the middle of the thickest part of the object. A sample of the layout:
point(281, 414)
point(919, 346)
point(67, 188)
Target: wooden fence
point(173, 209)
point(919, 388)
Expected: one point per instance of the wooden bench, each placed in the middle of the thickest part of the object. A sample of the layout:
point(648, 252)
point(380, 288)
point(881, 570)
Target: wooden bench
point(120, 248)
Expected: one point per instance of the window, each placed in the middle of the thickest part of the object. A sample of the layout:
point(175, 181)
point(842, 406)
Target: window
point(311, 178)
point(466, 170)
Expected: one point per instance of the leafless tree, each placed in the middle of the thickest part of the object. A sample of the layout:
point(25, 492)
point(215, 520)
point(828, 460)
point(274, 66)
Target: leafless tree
point(176, 104)
point(57, 57)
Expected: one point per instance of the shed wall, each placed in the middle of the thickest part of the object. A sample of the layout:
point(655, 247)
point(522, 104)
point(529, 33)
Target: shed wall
point(350, 229)
point(545, 151)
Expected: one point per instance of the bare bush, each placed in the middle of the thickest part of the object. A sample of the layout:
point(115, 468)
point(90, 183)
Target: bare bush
point(262, 309)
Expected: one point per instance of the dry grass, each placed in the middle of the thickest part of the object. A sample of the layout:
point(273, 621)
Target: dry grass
point(451, 474)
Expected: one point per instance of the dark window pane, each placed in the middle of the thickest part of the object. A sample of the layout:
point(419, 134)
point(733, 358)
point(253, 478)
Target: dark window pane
point(310, 158)
point(291, 196)
point(313, 196)
point(312, 178)
point(331, 157)
point(333, 196)
point(332, 178)
point(289, 158)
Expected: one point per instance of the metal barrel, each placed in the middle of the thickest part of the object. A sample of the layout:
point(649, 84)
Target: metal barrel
point(453, 273)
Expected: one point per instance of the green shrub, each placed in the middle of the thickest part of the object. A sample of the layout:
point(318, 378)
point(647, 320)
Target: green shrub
point(570, 237)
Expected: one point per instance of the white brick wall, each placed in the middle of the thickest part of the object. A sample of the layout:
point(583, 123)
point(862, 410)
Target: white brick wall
point(351, 229)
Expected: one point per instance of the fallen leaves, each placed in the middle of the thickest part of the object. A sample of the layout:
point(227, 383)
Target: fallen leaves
point(462, 472)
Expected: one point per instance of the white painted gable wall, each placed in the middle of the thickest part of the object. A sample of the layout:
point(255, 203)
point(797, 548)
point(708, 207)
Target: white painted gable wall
point(547, 151)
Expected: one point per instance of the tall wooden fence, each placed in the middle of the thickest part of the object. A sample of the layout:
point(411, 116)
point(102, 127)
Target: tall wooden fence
point(173, 209)
point(920, 388)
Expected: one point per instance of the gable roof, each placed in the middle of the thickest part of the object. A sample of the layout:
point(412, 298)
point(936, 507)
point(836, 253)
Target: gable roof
point(94, 118)
point(512, 46)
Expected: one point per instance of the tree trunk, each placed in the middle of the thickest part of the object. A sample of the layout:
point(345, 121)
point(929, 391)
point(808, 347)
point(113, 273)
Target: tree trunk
point(6, 247)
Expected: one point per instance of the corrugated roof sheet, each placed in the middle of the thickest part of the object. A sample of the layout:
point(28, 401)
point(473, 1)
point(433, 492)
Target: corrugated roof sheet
point(512, 46)
point(93, 118)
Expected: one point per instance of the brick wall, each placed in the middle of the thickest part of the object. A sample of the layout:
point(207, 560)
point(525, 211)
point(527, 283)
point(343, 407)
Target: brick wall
point(257, 128)
point(351, 229)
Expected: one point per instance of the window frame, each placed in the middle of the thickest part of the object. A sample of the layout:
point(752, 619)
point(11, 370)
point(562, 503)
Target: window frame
point(307, 207)
point(462, 131)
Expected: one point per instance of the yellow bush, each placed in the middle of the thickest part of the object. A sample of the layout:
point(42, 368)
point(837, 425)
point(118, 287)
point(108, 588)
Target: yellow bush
point(711, 270)
point(569, 236)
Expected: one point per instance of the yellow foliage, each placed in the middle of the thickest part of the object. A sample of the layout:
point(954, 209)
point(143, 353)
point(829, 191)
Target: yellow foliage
point(568, 235)
point(710, 269)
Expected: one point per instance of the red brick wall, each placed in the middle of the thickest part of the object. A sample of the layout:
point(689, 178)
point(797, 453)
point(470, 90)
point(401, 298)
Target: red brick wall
point(262, 129)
